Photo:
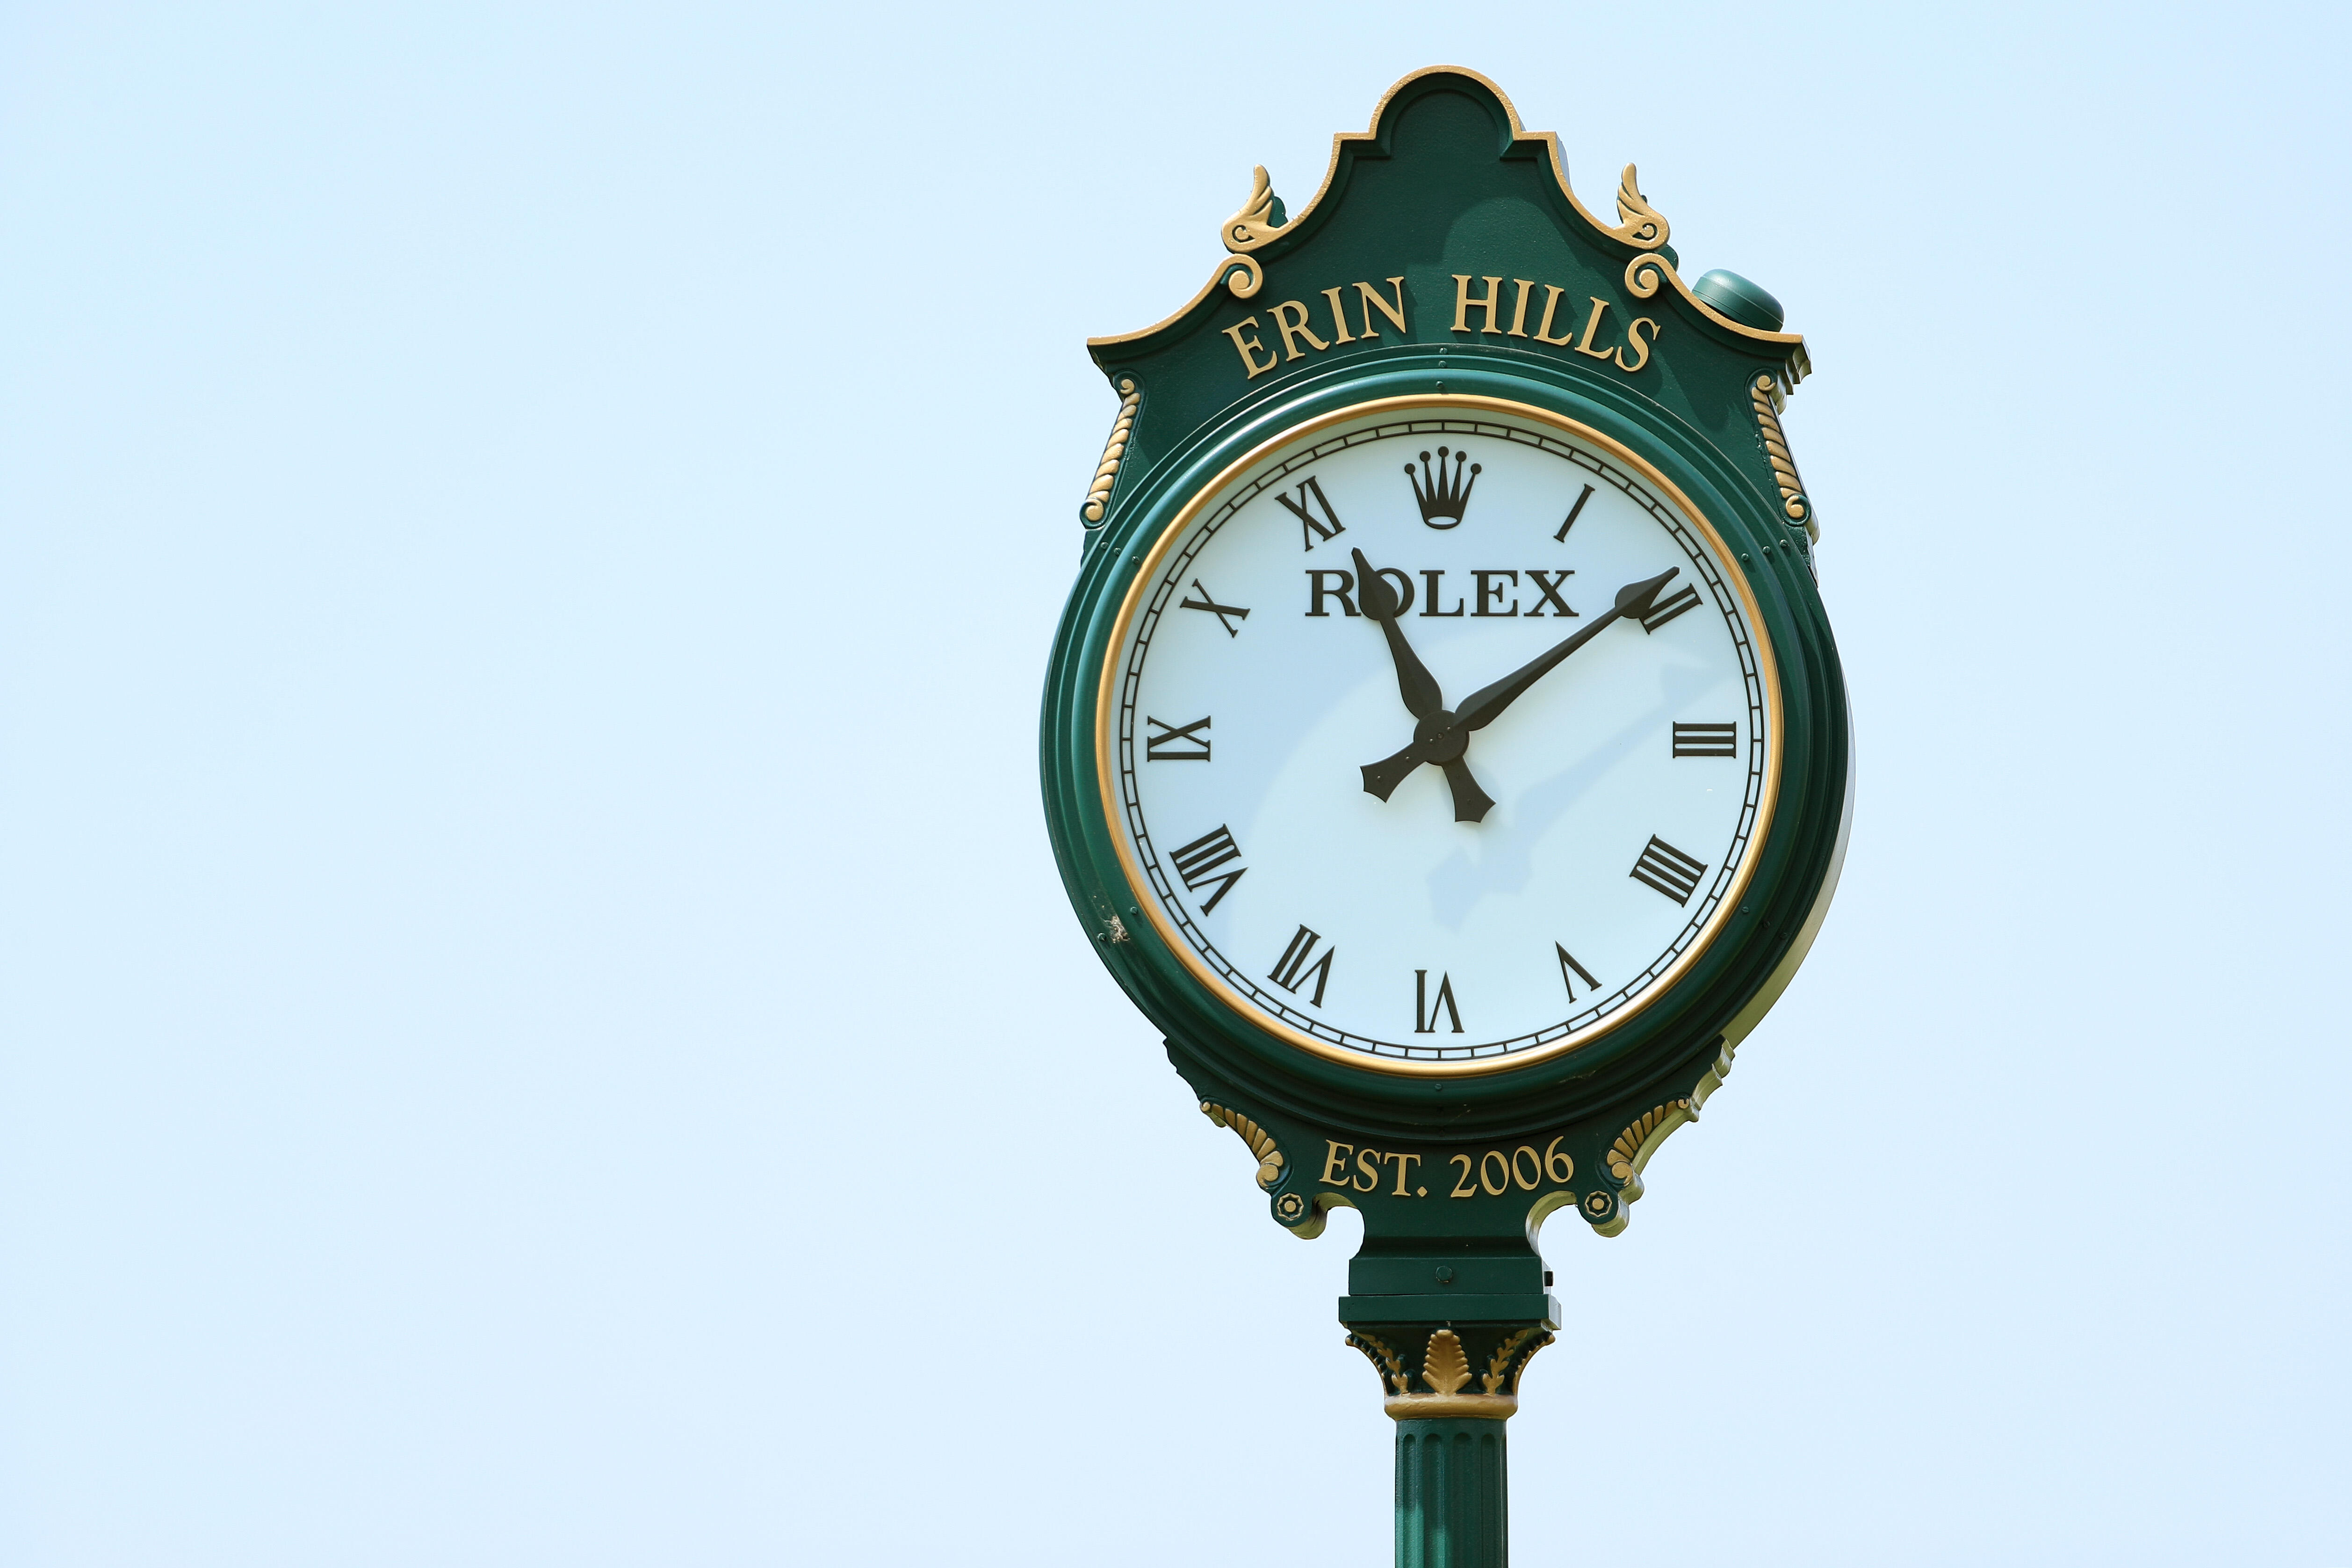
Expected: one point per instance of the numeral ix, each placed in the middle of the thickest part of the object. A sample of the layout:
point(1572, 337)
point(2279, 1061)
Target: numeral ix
point(1176, 743)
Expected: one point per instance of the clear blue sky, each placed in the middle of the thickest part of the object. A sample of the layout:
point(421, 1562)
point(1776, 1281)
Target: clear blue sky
point(537, 1020)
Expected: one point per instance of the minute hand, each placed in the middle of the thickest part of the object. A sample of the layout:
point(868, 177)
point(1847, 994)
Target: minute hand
point(1484, 706)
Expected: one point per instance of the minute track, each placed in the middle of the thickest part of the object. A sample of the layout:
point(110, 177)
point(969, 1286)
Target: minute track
point(1278, 688)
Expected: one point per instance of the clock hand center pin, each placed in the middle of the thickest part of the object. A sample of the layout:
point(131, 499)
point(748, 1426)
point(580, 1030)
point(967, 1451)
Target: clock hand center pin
point(1436, 738)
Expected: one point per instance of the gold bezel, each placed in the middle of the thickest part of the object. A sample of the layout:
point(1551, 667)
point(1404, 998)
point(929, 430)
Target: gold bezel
point(1106, 761)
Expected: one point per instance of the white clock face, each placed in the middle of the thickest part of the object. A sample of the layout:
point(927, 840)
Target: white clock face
point(1376, 821)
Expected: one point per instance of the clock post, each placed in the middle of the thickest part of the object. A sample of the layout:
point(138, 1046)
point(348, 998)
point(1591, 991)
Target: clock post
point(1456, 825)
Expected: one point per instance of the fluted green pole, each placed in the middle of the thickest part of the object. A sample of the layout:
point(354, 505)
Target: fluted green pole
point(1453, 1506)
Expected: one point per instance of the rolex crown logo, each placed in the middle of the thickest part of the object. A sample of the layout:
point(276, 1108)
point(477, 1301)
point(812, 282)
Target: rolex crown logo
point(1442, 497)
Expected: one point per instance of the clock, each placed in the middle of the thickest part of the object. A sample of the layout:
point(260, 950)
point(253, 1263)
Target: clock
point(1439, 736)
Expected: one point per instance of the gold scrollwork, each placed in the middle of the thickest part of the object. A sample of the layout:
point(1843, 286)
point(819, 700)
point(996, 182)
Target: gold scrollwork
point(1638, 223)
point(1630, 1143)
point(1114, 452)
point(1444, 1372)
point(1764, 393)
point(1243, 274)
point(1644, 274)
point(1254, 224)
point(1260, 1141)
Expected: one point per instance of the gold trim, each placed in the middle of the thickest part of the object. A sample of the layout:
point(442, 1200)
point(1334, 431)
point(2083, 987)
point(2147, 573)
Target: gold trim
point(1437, 1406)
point(1114, 451)
point(1260, 1141)
point(1641, 224)
point(1445, 1368)
point(1498, 1365)
point(1386, 1361)
point(1253, 226)
point(1106, 706)
point(1764, 393)
point(1636, 224)
point(1630, 1152)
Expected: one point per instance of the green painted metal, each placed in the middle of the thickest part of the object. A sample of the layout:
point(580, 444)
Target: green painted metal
point(1743, 301)
point(1452, 1502)
point(1444, 186)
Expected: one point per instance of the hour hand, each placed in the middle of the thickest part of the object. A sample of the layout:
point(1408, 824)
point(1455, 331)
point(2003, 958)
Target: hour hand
point(1379, 603)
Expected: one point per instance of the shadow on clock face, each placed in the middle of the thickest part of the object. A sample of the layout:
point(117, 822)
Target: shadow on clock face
point(1503, 860)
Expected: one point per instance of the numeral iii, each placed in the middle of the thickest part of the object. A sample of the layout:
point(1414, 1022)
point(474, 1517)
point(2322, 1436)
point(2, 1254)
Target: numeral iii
point(1707, 740)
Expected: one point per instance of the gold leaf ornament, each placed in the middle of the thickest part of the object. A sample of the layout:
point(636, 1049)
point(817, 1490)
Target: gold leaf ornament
point(1641, 224)
point(1447, 1368)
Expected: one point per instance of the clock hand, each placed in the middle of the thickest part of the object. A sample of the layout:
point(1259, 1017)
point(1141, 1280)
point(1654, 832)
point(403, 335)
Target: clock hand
point(1422, 699)
point(1487, 704)
point(1379, 601)
point(1432, 743)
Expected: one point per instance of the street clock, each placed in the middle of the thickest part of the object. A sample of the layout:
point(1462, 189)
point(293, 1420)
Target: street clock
point(1445, 746)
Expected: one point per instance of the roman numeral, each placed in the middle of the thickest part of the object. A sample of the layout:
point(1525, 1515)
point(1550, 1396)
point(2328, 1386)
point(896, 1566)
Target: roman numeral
point(1176, 743)
point(1707, 740)
point(1424, 1009)
point(1586, 495)
point(1197, 863)
point(1215, 608)
point(1665, 610)
point(1291, 970)
point(1668, 869)
point(1310, 530)
point(1568, 965)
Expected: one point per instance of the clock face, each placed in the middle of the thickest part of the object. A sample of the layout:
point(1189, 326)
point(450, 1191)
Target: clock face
point(1476, 811)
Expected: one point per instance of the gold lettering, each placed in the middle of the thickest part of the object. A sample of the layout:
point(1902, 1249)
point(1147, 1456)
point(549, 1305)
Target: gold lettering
point(1543, 327)
point(1338, 317)
point(1464, 304)
point(1592, 325)
point(1368, 301)
point(1560, 1167)
point(1463, 1189)
point(1368, 1170)
point(1520, 311)
point(1404, 1164)
point(1298, 329)
point(1250, 345)
point(1527, 1184)
point(1633, 341)
point(1336, 1160)
point(1496, 1188)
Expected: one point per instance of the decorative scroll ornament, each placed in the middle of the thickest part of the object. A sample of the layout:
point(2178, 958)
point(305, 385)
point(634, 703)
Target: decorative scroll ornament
point(1114, 452)
point(1260, 1141)
point(1764, 393)
point(1260, 219)
point(1638, 223)
point(1631, 1151)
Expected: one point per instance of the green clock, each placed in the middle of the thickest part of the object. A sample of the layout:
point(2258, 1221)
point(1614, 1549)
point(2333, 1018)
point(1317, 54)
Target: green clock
point(1445, 744)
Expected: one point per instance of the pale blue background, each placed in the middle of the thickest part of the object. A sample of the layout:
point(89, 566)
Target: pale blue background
point(540, 1025)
